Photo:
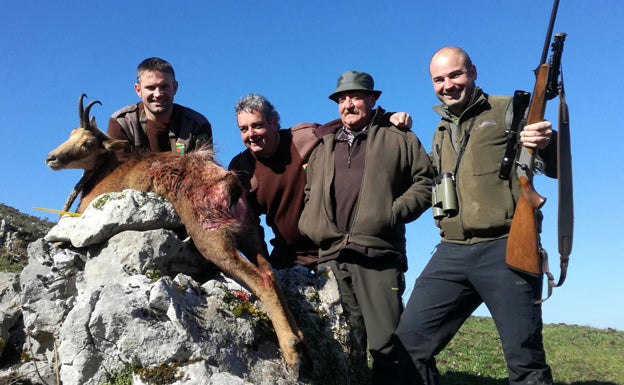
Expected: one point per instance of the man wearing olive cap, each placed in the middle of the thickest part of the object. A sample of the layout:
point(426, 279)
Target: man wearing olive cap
point(364, 183)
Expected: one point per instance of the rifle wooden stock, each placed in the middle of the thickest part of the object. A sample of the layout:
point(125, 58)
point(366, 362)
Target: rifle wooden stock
point(523, 244)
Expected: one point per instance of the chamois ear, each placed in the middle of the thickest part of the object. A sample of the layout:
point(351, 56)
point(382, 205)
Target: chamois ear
point(116, 145)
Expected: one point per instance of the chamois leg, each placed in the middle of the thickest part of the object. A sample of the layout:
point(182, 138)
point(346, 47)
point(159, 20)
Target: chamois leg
point(249, 242)
point(250, 250)
point(219, 249)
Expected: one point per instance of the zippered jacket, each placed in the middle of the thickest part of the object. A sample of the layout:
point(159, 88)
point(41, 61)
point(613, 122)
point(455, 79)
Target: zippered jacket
point(395, 189)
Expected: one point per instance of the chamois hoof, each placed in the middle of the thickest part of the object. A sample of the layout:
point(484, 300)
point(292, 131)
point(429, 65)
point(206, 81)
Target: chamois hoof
point(293, 360)
point(291, 353)
point(306, 364)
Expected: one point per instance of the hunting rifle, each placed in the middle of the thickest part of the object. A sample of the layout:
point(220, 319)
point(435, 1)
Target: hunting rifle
point(524, 252)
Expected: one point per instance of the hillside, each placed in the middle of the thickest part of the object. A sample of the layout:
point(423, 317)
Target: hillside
point(578, 355)
point(16, 231)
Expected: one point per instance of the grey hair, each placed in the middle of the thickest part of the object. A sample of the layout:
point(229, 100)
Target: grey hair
point(257, 102)
point(155, 64)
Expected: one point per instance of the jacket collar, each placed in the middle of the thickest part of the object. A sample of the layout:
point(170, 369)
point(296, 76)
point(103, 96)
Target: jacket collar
point(477, 102)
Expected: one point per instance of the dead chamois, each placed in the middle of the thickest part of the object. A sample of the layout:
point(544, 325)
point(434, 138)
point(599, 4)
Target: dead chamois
point(209, 200)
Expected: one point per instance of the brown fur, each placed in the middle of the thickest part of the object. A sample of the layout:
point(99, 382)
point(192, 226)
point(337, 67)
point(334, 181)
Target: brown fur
point(210, 201)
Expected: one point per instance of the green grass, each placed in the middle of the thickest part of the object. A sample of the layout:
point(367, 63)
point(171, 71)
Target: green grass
point(577, 355)
point(123, 377)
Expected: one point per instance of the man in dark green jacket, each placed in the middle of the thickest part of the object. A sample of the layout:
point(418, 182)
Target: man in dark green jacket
point(365, 182)
point(468, 267)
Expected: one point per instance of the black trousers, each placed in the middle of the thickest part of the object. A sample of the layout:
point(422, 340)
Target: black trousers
point(457, 279)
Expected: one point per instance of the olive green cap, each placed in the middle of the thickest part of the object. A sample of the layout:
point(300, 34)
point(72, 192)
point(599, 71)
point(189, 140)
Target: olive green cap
point(354, 81)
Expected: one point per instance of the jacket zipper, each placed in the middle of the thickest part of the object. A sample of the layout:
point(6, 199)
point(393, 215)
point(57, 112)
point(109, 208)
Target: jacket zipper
point(357, 205)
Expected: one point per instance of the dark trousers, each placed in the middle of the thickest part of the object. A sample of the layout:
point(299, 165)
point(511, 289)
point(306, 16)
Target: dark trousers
point(457, 279)
point(370, 292)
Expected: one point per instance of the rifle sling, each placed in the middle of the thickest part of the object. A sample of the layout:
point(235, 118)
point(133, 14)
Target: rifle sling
point(566, 206)
point(564, 175)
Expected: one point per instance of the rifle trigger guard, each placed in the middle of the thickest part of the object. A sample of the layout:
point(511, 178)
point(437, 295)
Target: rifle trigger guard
point(551, 279)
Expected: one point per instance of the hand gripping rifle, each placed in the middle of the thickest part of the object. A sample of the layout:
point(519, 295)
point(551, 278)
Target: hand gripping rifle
point(524, 252)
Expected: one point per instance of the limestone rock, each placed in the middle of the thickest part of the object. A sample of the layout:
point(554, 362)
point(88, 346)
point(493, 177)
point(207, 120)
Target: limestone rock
point(112, 213)
point(120, 294)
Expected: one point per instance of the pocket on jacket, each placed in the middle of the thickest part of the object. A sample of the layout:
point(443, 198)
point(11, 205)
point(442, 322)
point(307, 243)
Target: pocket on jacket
point(486, 152)
point(491, 206)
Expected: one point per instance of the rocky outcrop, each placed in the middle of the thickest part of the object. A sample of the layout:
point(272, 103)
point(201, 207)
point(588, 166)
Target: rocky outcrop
point(119, 291)
point(7, 234)
point(17, 228)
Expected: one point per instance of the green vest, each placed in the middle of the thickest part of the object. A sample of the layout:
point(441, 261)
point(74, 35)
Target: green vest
point(486, 203)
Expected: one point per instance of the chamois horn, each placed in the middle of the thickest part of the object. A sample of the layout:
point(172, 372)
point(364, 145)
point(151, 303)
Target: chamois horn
point(86, 124)
point(81, 110)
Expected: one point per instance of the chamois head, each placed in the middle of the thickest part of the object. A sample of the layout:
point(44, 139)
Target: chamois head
point(87, 146)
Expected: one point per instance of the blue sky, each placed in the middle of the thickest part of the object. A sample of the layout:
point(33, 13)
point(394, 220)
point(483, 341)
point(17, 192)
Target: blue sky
point(293, 52)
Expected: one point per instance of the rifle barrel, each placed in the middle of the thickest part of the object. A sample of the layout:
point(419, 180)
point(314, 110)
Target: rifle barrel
point(551, 25)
